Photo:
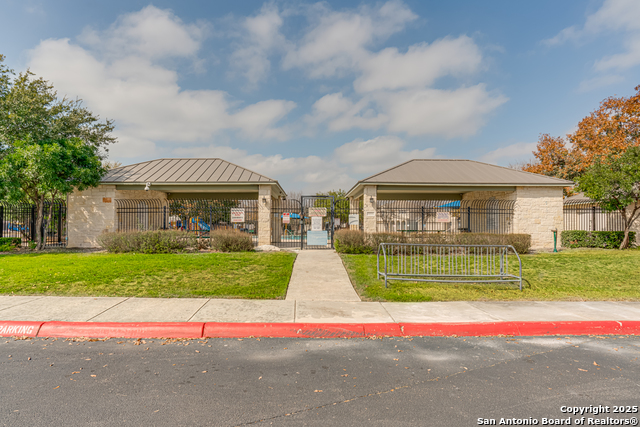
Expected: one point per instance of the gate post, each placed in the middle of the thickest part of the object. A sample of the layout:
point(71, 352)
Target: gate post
point(264, 215)
point(370, 192)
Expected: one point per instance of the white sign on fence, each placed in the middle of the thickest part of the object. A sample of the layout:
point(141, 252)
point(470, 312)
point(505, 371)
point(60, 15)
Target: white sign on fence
point(354, 219)
point(336, 222)
point(316, 223)
point(286, 218)
point(443, 216)
point(317, 212)
point(237, 214)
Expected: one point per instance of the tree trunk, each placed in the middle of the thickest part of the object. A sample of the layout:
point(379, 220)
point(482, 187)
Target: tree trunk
point(39, 218)
point(625, 241)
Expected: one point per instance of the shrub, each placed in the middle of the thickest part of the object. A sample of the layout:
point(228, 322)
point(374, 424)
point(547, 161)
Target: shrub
point(9, 243)
point(356, 242)
point(231, 241)
point(148, 242)
point(351, 242)
point(594, 239)
point(520, 242)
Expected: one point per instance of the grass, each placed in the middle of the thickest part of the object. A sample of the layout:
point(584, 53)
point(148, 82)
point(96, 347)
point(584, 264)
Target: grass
point(219, 275)
point(571, 275)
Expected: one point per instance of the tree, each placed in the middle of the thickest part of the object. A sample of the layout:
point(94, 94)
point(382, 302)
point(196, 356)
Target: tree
point(615, 184)
point(608, 131)
point(30, 110)
point(48, 169)
point(48, 145)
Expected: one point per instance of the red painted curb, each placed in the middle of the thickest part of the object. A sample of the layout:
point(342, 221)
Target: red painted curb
point(383, 329)
point(608, 327)
point(283, 330)
point(19, 329)
point(311, 330)
point(122, 330)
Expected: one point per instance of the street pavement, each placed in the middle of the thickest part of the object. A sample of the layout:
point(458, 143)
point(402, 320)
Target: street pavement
point(317, 382)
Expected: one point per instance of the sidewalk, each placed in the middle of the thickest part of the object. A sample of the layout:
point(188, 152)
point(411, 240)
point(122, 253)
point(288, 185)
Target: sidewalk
point(158, 317)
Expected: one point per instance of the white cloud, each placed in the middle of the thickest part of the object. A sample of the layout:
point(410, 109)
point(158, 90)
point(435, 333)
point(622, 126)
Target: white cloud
point(614, 16)
point(450, 113)
point(521, 151)
point(260, 37)
point(338, 40)
point(378, 154)
point(341, 113)
point(598, 82)
point(420, 66)
point(339, 169)
point(135, 87)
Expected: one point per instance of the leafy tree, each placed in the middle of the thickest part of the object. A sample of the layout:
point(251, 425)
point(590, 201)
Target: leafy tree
point(608, 131)
point(48, 145)
point(615, 184)
point(30, 110)
point(48, 169)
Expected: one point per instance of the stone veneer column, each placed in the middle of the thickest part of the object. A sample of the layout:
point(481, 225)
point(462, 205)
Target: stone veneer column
point(354, 204)
point(369, 208)
point(537, 211)
point(264, 215)
point(89, 214)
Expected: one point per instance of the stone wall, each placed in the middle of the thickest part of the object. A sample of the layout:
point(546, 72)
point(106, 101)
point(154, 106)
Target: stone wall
point(369, 209)
point(93, 212)
point(264, 215)
point(537, 211)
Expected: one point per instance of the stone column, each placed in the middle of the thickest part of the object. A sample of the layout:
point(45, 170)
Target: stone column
point(89, 214)
point(264, 215)
point(536, 212)
point(370, 208)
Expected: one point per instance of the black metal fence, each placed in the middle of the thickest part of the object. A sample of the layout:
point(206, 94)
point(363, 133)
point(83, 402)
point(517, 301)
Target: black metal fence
point(445, 216)
point(19, 220)
point(292, 220)
point(588, 216)
point(195, 216)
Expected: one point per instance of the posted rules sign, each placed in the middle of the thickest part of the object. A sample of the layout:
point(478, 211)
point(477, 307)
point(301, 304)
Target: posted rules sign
point(237, 214)
point(286, 218)
point(443, 216)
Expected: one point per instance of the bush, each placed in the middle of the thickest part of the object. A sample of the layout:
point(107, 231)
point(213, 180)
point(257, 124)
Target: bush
point(594, 239)
point(231, 241)
point(356, 242)
point(147, 242)
point(351, 242)
point(520, 242)
point(9, 243)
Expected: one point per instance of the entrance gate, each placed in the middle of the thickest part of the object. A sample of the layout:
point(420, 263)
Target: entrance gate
point(310, 223)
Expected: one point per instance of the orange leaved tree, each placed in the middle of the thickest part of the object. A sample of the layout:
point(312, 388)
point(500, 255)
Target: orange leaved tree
point(606, 133)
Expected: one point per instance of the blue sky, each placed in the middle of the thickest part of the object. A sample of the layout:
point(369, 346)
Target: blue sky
point(319, 95)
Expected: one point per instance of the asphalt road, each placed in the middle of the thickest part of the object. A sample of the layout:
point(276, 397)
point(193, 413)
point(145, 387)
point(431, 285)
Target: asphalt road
point(342, 382)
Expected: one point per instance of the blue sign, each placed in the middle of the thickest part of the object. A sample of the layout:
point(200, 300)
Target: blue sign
point(317, 238)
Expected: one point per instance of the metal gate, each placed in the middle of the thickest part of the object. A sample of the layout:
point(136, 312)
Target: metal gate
point(310, 223)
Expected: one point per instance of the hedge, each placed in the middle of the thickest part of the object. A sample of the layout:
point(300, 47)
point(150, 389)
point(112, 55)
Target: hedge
point(356, 242)
point(148, 242)
point(9, 243)
point(594, 239)
point(231, 241)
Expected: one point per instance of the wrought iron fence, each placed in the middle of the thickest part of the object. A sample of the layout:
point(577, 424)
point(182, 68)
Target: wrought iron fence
point(195, 216)
point(19, 220)
point(448, 263)
point(588, 216)
point(445, 216)
point(291, 220)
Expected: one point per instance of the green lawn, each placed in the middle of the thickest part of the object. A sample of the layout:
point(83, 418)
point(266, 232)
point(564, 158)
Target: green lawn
point(235, 275)
point(571, 275)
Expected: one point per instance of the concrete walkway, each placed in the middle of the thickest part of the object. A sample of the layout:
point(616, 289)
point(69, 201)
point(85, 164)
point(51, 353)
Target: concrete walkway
point(107, 309)
point(320, 276)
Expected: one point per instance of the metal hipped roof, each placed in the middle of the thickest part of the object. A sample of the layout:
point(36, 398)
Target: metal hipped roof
point(185, 172)
point(452, 173)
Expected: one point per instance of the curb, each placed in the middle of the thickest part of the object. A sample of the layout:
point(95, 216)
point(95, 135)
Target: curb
point(310, 330)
